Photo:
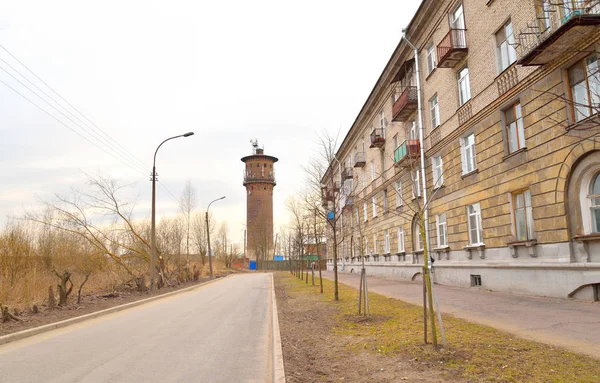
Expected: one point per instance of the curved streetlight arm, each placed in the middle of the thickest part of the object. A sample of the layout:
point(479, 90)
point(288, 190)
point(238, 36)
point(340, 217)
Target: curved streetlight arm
point(170, 138)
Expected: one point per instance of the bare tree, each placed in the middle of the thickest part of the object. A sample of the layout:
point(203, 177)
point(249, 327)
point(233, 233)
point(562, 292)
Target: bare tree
point(187, 203)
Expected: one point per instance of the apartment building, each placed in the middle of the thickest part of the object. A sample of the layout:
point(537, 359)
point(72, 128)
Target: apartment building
point(488, 137)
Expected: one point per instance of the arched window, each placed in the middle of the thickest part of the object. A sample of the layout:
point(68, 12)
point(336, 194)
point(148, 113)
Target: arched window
point(594, 200)
point(416, 234)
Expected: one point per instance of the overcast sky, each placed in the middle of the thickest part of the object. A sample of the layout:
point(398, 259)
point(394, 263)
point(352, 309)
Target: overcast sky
point(142, 71)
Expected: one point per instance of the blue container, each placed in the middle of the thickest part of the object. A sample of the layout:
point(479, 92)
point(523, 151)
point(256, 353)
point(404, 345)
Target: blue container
point(330, 215)
point(278, 258)
point(252, 265)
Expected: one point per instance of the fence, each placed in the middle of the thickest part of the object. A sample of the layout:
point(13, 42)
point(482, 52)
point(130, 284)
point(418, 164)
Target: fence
point(289, 264)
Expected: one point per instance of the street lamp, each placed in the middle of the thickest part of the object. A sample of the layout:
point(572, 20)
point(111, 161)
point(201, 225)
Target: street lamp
point(208, 237)
point(153, 229)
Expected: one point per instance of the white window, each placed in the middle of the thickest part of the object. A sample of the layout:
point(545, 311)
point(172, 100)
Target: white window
point(385, 201)
point(382, 123)
point(367, 251)
point(372, 170)
point(375, 244)
point(400, 240)
point(416, 185)
point(365, 211)
point(474, 221)
point(434, 111)
point(464, 88)
point(413, 126)
point(594, 201)
point(515, 134)
point(457, 19)
point(395, 141)
point(417, 239)
point(546, 12)
point(584, 81)
point(468, 153)
point(386, 241)
point(374, 203)
point(430, 58)
point(523, 215)
point(438, 171)
point(505, 45)
point(398, 193)
point(442, 234)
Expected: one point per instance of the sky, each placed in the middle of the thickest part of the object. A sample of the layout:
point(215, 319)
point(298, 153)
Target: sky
point(143, 71)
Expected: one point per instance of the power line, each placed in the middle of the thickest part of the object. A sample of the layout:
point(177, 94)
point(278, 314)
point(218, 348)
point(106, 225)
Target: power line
point(70, 105)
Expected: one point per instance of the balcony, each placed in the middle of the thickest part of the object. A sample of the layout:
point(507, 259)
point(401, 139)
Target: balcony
point(347, 173)
point(252, 176)
point(359, 159)
point(407, 153)
point(405, 105)
point(452, 48)
point(377, 138)
point(545, 39)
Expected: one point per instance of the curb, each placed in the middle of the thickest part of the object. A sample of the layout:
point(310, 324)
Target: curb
point(67, 322)
point(278, 368)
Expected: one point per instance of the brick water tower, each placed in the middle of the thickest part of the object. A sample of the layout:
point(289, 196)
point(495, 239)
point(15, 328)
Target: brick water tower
point(259, 180)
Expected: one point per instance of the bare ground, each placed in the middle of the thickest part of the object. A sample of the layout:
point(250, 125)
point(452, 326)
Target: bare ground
point(314, 352)
point(89, 303)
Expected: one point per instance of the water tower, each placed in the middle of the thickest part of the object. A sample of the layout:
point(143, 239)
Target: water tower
point(259, 180)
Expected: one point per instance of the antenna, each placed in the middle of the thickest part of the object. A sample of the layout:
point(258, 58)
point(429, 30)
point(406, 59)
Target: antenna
point(254, 144)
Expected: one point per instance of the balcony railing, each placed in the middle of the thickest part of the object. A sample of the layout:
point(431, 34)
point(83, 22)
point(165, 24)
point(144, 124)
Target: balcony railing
point(557, 31)
point(406, 104)
point(259, 176)
point(407, 152)
point(452, 48)
point(359, 159)
point(348, 203)
point(347, 173)
point(377, 138)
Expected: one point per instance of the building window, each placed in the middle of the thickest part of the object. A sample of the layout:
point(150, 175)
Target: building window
point(395, 141)
point(457, 19)
point(515, 134)
point(438, 171)
point(398, 193)
point(430, 58)
point(464, 89)
point(474, 221)
point(374, 203)
point(385, 201)
point(382, 123)
point(416, 186)
point(523, 215)
point(386, 241)
point(594, 200)
point(367, 246)
point(417, 239)
point(584, 83)
point(372, 170)
point(467, 149)
point(545, 14)
point(505, 46)
point(365, 211)
point(434, 111)
point(442, 234)
point(400, 240)
point(375, 244)
point(413, 127)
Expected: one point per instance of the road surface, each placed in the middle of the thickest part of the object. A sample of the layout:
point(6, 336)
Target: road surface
point(220, 332)
point(571, 324)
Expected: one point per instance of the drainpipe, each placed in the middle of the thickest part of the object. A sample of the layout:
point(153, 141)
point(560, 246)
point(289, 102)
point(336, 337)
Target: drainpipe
point(421, 130)
point(340, 208)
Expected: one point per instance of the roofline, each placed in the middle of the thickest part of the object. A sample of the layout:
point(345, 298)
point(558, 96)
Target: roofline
point(274, 159)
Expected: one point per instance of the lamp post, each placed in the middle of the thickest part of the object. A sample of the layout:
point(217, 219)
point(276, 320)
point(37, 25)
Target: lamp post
point(153, 229)
point(208, 237)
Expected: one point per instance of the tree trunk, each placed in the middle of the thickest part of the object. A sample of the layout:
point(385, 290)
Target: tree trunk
point(87, 276)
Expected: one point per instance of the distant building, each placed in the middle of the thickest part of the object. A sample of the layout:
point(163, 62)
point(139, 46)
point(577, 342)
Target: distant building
point(503, 99)
point(259, 180)
point(319, 249)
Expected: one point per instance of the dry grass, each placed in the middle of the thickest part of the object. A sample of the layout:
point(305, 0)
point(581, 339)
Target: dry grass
point(476, 352)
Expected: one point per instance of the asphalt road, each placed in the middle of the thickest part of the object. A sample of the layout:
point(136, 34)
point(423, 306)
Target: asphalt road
point(220, 332)
point(565, 323)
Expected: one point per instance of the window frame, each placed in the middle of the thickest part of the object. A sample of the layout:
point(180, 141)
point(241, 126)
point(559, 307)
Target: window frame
point(415, 177)
point(510, 53)
point(431, 58)
point(463, 152)
point(439, 222)
point(374, 206)
point(375, 244)
point(517, 111)
point(385, 201)
point(400, 233)
point(528, 214)
point(437, 171)
point(575, 109)
point(366, 211)
point(434, 112)
point(386, 241)
point(416, 234)
point(398, 190)
point(461, 80)
point(478, 222)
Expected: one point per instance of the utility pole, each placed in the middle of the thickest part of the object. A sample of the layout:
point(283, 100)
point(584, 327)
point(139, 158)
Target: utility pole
point(208, 238)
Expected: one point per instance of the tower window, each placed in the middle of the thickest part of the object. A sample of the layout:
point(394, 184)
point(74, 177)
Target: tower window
point(258, 165)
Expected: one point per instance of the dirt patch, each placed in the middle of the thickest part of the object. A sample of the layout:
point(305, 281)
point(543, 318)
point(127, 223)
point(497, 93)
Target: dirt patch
point(89, 303)
point(314, 351)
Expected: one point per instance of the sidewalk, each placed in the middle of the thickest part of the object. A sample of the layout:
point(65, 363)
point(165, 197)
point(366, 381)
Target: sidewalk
point(574, 325)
